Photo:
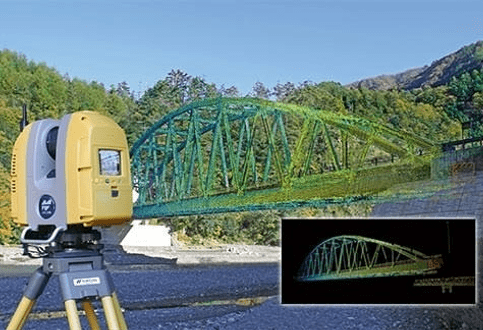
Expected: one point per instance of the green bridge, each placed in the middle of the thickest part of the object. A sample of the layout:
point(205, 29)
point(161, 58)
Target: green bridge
point(347, 257)
point(232, 154)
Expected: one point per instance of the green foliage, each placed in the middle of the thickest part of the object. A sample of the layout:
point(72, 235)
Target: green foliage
point(324, 96)
point(465, 100)
point(479, 53)
point(422, 113)
point(259, 227)
point(47, 95)
point(9, 232)
point(478, 100)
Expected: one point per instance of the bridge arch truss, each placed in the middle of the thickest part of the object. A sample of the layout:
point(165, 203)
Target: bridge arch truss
point(348, 256)
point(230, 154)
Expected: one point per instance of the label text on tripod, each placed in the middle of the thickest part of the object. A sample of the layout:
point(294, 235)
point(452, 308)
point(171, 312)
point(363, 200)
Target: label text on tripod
point(87, 281)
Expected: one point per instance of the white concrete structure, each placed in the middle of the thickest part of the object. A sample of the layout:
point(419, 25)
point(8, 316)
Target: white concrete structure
point(146, 235)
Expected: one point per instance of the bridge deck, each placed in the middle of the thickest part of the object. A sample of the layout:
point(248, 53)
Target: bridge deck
point(405, 268)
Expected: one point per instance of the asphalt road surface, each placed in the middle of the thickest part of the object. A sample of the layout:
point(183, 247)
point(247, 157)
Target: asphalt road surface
point(215, 297)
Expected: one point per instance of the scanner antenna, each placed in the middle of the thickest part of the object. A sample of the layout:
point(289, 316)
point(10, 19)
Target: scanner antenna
point(23, 122)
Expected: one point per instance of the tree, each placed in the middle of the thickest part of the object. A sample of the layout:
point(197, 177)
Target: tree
point(199, 89)
point(123, 90)
point(232, 92)
point(179, 81)
point(465, 102)
point(281, 92)
point(260, 91)
point(8, 230)
point(478, 101)
point(228, 92)
point(315, 97)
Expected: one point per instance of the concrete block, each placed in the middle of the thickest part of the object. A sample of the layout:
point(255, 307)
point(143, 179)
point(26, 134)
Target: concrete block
point(146, 235)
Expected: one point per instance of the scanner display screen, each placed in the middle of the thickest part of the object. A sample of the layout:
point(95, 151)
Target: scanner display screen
point(109, 162)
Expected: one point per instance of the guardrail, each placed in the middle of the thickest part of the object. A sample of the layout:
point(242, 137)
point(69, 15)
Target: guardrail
point(447, 283)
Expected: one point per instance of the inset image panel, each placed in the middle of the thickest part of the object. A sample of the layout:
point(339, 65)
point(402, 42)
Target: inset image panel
point(379, 261)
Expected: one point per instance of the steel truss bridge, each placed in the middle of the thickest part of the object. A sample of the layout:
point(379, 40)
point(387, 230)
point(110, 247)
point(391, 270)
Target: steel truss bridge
point(349, 257)
point(231, 154)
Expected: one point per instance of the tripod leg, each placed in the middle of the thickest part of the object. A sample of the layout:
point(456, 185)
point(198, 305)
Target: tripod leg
point(34, 289)
point(23, 310)
point(120, 317)
point(72, 315)
point(91, 315)
point(110, 313)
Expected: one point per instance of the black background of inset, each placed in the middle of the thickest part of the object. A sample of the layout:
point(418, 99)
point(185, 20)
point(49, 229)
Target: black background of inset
point(429, 236)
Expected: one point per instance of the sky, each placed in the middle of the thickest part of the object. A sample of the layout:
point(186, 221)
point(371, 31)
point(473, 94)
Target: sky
point(237, 42)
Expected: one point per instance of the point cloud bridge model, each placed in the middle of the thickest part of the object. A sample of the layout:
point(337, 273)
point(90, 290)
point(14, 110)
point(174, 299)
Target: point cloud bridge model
point(348, 257)
point(232, 154)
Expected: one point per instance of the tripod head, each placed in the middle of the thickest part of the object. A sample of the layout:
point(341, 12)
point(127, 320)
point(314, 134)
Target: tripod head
point(76, 238)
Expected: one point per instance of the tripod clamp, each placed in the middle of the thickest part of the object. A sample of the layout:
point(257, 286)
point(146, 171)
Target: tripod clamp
point(45, 235)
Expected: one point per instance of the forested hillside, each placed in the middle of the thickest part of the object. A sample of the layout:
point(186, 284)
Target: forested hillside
point(432, 112)
point(439, 73)
point(453, 83)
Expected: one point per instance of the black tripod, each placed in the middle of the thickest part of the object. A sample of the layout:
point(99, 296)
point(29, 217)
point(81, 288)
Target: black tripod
point(76, 258)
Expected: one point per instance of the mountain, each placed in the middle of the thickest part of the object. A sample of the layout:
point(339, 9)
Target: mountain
point(466, 59)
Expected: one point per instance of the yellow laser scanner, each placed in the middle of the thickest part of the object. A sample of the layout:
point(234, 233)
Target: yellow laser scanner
point(71, 171)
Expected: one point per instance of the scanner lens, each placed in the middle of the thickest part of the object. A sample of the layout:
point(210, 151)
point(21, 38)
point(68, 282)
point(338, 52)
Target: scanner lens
point(51, 141)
